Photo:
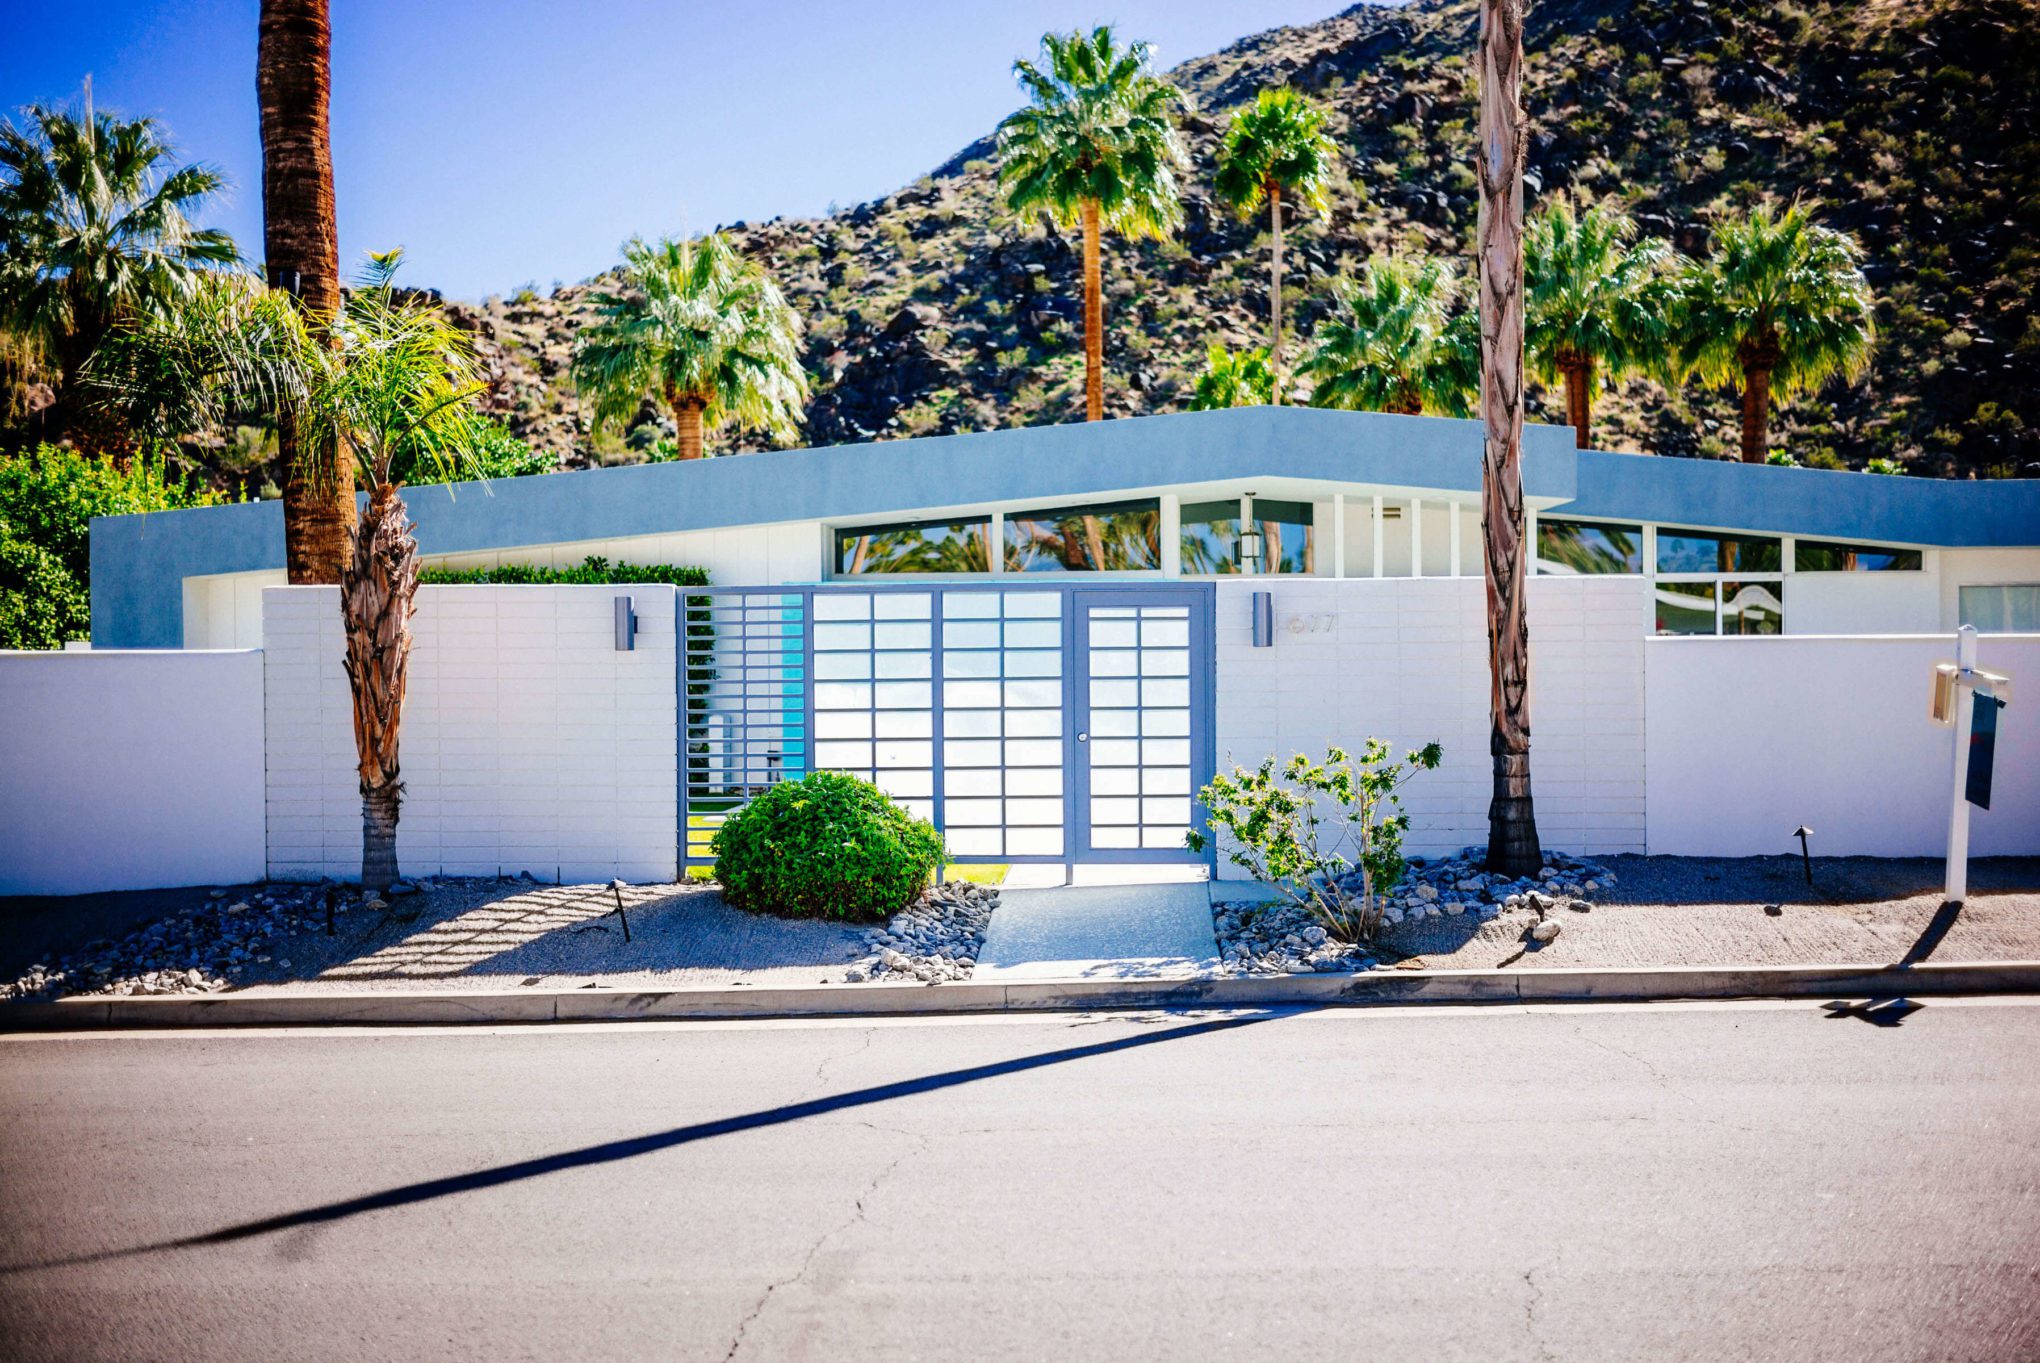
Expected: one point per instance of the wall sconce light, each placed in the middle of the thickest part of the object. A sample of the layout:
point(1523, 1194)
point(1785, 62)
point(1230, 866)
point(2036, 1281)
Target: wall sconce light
point(1264, 619)
point(626, 626)
point(1252, 544)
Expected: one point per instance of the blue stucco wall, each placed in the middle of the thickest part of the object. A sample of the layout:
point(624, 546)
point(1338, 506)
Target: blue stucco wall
point(139, 562)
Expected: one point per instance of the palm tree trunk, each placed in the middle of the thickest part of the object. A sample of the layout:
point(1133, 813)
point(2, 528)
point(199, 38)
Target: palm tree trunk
point(1275, 289)
point(687, 424)
point(301, 246)
point(1512, 821)
point(1094, 319)
point(1756, 414)
point(1579, 402)
point(375, 602)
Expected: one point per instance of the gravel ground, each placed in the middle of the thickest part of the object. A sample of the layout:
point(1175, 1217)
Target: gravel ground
point(490, 934)
point(1754, 911)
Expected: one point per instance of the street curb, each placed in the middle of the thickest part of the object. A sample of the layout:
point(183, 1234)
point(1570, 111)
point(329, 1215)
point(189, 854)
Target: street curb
point(1583, 985)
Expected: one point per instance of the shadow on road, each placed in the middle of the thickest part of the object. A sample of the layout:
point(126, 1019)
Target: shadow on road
point(610, 1151)
point(1876, 1012)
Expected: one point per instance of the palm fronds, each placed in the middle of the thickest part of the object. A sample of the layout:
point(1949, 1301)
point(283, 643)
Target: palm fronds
point(1101, 128)
point(694, 322)
point(1397, 342)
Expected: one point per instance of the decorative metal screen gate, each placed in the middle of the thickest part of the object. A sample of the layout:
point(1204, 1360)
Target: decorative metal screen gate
point(1032, 722)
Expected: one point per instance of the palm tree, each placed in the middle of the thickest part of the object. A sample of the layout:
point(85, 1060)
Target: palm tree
point(1512, 819)
point(1781, 305)
point(1277, 143)
point(1395, 342)
point(1233, 379)
point(700, 327)
point(95, 228)
point(1600, 304)
point(1098, 146)
point(385, 383)
point(300, 239)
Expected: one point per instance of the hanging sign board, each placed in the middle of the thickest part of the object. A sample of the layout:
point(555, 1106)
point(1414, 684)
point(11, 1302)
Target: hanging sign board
point(1982, 747)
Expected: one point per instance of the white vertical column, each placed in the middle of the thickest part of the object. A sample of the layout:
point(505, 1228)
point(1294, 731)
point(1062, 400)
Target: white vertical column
point(1338, 534)
point(995, 552)
point(1416, 515)
point(1956, 885)
point(1453, 509)
point(1172, 535)
point(1380, 520)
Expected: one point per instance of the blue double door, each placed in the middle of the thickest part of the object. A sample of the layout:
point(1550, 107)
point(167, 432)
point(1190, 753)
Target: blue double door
point(1030, 722)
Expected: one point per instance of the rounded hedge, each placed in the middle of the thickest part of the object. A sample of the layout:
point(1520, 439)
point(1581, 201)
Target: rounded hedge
point(827, 845)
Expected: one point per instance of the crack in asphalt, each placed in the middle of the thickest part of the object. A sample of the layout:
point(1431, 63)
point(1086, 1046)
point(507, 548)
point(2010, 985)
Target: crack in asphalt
point(822, 1068)
point(1530, 1305)
point(920, 1144)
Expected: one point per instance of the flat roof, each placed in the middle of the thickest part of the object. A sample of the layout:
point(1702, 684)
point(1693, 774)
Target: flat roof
point(139, 562)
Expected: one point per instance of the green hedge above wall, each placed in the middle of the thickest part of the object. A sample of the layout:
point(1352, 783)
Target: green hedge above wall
point(594, 572)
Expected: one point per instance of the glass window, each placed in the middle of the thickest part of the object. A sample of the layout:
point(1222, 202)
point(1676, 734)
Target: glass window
point(1571, 547)
point(925, 547)
point(2010, 609)
point(1752, 608)
point(1818, 556)
point(1685, 608)
point(1288, 535)
point(1211, 537)
point(1696, 551)
point(1120, 537)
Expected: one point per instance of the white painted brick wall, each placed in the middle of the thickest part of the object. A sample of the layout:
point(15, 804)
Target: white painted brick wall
point(1405, 660)
point(529, 742)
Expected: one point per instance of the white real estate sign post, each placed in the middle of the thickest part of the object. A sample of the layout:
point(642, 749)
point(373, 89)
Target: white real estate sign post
point(1954, 704)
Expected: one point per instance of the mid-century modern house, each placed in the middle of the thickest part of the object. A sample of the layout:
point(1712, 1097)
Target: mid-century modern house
point(1047, 639)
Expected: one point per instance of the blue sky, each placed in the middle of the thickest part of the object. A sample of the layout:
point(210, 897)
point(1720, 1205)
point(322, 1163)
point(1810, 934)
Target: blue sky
point(505, 141)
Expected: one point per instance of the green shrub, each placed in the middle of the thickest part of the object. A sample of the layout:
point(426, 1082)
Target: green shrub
point(596, 572)
point(1293, 827)
point(48, 497)
point(827, 845)
point(497, 454)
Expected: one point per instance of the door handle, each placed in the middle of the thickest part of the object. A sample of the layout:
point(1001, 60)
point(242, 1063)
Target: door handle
point(1083, 738)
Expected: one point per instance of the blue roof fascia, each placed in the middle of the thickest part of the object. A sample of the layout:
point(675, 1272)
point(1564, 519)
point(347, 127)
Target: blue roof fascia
point(139, 564)
point(1815, 503)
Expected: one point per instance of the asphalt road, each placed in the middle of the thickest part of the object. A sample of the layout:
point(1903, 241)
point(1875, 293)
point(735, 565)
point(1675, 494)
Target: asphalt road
point(1744, 1181)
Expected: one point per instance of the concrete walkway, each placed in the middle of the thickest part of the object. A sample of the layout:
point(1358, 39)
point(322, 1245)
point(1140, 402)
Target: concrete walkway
point(1100, 932)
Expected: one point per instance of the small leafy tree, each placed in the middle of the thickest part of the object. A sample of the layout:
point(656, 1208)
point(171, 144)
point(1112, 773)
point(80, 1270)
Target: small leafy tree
point(1233, 378)
point(1307, 829)
point(1397, 341)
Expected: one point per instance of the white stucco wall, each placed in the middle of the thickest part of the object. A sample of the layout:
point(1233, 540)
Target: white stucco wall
point(1750, 738)
point(529, 743)
point(1405, 660)
point(224, 610)
point(129, 770)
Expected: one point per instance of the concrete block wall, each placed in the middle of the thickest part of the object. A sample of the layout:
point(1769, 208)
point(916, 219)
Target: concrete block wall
point(1405, 660)
point(529, 743)
point(128, 770)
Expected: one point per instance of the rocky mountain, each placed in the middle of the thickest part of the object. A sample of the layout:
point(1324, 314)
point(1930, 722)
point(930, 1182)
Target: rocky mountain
point(1912, 122)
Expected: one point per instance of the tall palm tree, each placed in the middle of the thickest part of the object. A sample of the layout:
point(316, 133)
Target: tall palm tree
point(1780, 306)
point(293, 82)
point(1396, 342)
point(1098, 146)
point(1601, 304)
point(1233, 379)
point(1512, 819)
point(1276, 144)
point(698, 326)
point(95, 228)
